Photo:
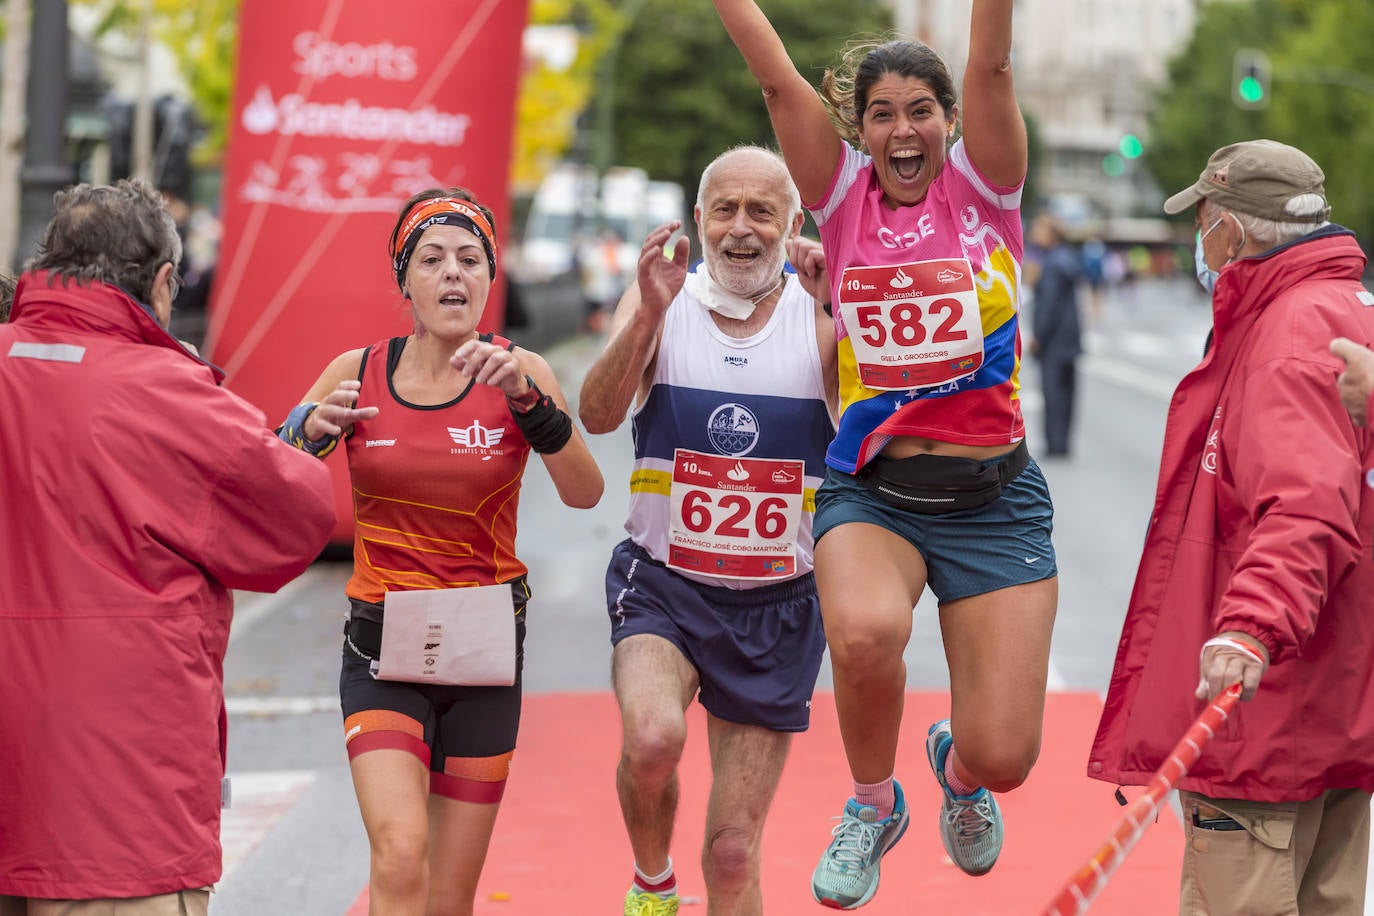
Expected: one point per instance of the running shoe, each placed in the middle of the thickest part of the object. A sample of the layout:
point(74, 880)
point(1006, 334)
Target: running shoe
point(847, 876)
point(643, 903)
point(970, 825)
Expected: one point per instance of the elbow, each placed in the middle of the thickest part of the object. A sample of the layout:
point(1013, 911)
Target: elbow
point(596, 422)
point(586, 496)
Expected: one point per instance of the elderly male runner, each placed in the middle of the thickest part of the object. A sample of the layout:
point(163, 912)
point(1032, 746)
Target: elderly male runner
point(731, 369)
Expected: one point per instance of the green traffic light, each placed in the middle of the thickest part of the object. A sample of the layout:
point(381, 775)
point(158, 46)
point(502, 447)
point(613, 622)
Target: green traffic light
point(1251, 89)
point(1113, 165)
point(1131, 147)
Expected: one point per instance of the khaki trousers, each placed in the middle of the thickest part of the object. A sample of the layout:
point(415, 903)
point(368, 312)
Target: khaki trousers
point(181, 903)
point(1291, 859)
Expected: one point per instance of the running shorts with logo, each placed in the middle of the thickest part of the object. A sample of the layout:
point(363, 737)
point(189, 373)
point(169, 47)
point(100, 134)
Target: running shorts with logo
point(968, 551)
point(757, 651)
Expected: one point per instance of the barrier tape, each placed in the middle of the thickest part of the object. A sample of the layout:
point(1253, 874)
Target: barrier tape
point(1080, 890)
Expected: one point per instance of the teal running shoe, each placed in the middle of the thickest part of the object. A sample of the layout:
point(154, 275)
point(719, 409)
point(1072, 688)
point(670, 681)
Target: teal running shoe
point(970, 825)
point(847, 876)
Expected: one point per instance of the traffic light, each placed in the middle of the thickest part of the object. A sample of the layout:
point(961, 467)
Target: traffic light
point(1131, 147)
point(1250, 79)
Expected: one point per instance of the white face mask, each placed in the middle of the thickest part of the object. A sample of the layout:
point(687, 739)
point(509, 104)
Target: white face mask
point(717, 298)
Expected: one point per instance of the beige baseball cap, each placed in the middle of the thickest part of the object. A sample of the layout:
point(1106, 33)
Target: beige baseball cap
point(1263, 178)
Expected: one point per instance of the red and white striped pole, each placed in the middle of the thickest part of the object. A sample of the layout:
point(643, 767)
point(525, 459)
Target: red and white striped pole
point(1080, 890)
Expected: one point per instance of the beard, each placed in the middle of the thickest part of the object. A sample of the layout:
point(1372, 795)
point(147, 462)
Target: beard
point(745, 280)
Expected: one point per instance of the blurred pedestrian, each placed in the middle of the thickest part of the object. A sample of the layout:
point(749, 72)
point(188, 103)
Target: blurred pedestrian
point(6, 296)
point(148, 493)
point(930, 480)
point(1258, 559)
point(436, 456)
point(1057, 341)
point(731, 370)
point(1356, 381)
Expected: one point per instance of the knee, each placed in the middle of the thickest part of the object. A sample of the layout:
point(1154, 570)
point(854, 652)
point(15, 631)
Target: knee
point(399, 857)
point(730, 859)
point(998, 768)
point(651, 750)
point(867, 647)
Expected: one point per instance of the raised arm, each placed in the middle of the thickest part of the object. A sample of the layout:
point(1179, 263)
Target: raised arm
point(807, 139)
point(622, 369)
point(994, 132)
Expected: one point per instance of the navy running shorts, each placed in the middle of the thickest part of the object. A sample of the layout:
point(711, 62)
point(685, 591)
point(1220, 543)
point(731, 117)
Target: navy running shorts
point(757, 651)
point(967, 552)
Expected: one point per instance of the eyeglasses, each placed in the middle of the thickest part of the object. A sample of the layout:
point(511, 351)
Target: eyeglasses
point(174, 282)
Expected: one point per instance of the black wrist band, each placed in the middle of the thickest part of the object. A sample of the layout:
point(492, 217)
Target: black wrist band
point(545, 426)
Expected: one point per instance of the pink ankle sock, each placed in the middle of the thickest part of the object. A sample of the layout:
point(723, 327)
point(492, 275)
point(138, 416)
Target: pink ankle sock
point(956, 785)
point(879, 795)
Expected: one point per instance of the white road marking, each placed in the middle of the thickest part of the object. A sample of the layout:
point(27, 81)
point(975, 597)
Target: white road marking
point(1146, 381)
point(260, 801)
point(280, 706)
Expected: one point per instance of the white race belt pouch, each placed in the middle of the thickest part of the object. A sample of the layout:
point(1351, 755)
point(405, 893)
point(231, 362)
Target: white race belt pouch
point(455, 636)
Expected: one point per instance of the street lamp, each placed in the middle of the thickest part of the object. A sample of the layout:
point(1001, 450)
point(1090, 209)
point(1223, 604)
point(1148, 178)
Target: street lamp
point(46, 169)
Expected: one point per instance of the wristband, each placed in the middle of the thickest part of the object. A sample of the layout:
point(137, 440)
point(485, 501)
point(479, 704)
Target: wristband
point(544, 425)
point(292, 432)
point(1229, 643)
point(527, 401)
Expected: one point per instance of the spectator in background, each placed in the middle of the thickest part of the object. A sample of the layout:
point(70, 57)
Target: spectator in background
point(150, 493)
point(1056, 340)
point(6, 296)
point(199, 233)
point(1356, 382)
point(1256, 566)
point(1094, 257)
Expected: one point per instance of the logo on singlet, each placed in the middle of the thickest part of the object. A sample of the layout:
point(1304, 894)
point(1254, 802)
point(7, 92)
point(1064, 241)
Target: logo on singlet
point(733, 429)
point(475, 438)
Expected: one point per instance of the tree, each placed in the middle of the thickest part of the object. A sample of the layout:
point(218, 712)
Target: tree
point(1322, 95)
point(684, 93)
point(203, 37)
point(551, 99)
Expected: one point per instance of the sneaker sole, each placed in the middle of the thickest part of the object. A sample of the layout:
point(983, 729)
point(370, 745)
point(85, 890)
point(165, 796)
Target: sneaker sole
point(835, 904)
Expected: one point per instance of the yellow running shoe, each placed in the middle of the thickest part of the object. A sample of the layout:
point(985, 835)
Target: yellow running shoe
point(643, 903)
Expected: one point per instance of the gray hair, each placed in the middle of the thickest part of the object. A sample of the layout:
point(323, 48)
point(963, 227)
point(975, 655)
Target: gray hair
point(794, 204)
point(119, 234)
point(1272, 233)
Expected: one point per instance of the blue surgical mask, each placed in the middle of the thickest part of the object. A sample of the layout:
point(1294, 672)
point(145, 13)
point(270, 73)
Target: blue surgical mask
point(1206, 275)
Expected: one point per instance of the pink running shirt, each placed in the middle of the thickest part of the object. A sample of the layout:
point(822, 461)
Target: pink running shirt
point(925, 300)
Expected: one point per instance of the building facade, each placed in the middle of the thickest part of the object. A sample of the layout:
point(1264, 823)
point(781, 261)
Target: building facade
point(1086, 71)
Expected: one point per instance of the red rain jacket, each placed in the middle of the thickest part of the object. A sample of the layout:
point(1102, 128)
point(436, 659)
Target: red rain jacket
point(1262, 524)
point(137, 492)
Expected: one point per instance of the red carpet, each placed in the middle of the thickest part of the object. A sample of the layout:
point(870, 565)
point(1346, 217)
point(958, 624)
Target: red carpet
point(560, 845)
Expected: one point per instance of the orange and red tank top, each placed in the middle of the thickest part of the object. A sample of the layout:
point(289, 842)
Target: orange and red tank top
point(436, 487)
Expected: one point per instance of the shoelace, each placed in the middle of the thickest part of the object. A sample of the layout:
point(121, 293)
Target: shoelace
point(652, 907)
point(971, 819)
point(854, 842)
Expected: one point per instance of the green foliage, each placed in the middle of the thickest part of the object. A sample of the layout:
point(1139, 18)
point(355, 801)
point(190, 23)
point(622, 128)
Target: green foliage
point(683, 93)
point(1321, 89)
point(551, 101)
point(202, 36)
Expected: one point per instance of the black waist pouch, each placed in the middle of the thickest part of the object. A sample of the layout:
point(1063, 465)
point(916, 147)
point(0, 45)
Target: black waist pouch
point(936, 484)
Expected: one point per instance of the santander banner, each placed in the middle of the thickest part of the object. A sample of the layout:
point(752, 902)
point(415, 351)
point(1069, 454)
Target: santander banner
point(342, 110)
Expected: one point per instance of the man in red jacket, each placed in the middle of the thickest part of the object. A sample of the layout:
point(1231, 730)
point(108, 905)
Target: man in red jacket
point(137, 493)
point(1258, 560)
